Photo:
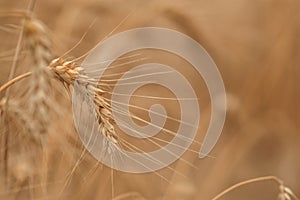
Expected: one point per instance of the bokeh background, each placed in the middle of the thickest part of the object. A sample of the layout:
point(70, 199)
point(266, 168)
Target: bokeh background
point(256, 47)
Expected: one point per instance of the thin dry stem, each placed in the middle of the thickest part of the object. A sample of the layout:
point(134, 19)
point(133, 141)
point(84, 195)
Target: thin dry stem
point(11, 75)
point(14, 80)
point(283, 195)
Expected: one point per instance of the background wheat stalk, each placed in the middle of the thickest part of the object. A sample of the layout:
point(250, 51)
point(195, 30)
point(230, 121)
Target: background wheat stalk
point(40, 80)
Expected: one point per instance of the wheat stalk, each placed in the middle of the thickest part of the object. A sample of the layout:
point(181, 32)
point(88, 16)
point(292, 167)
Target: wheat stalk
point(285, 193)
point(67, 72)
point(40, 81)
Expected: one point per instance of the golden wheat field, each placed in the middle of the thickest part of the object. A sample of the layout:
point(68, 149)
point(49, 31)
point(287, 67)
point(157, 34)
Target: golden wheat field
point(256, 47)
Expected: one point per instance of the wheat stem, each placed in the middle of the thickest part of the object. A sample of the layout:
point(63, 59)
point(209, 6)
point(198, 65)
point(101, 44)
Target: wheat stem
point(14, 80)
point(259, 179)
point(11, 75)
point(6, 96)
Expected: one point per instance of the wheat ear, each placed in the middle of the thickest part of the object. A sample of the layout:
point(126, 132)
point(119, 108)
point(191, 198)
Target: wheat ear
point(40, 80)
point(68, 72)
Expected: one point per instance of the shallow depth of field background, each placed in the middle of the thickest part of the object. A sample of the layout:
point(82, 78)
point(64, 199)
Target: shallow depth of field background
point(256, 47)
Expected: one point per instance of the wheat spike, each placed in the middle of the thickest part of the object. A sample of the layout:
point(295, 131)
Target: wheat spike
point(69, 71)
point(40, 82)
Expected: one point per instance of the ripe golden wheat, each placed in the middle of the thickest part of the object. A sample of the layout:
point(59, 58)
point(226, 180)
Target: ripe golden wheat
point(45, 66)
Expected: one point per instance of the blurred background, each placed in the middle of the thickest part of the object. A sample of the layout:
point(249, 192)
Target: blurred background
point(255, 45)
